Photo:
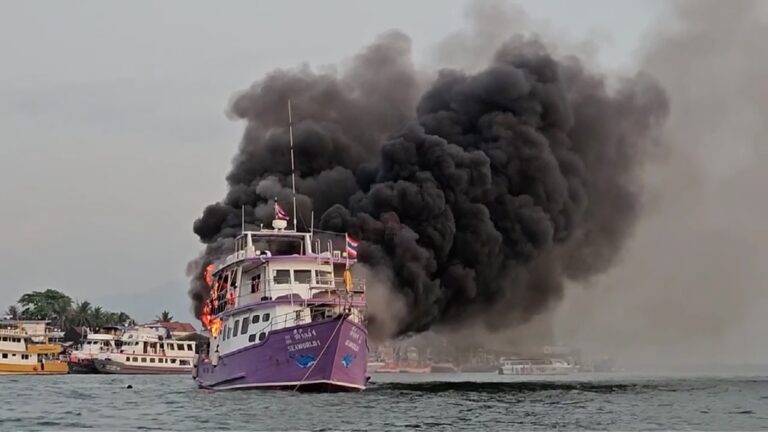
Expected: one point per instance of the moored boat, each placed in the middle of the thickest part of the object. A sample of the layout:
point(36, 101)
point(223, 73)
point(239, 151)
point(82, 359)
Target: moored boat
point(81, 360)
point(143, 351)
point(374, 366)
point(25, 349)
point(443, 368)
point(542, 366)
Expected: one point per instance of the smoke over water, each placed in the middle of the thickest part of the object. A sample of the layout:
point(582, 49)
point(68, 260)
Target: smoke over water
point(476, 195)
point(692, 286)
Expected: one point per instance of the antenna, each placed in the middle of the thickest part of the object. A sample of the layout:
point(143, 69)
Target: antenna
point(242, 218)
point(312, 230)
point(293, 167)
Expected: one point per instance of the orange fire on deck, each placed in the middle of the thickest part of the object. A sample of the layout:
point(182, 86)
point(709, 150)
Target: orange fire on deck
point(209, 274)
point(215, 327)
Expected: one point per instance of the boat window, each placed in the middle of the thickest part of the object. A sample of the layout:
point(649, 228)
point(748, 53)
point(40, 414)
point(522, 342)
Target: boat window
point(282, 277)
point(143, 359)
point(127, 359)
point(298, 315)
point(323, 277)
point(237, 327)
point(234, 278)
point(135, 359)
point(302, 276)
point(5, 355)
point(265, 317)
point(25, 356)
point(244, 329)
point(171, 347)
point(151, 359)
point(252, 338)
point(189, 347)
point(173, 361)
point(180, 347)
point(255, 318)
point(229, 332)
point(224, 333)
point(5, 339)
point(262, 336)
point(184, 362)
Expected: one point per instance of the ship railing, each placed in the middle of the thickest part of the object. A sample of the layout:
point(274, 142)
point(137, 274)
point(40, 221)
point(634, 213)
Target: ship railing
point(291, 319)
point(298, 293)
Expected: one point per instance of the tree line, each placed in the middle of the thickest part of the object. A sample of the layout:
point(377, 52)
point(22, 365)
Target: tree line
point(64, 313)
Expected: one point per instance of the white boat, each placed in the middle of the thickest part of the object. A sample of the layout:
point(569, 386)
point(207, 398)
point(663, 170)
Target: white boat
point(374, 366)
point(543, 366)
point(144, 351)
point(81, 359)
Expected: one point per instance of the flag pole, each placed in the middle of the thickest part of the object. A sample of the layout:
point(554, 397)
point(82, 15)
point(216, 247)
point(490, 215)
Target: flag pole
point(242, 218)
point(293, 167)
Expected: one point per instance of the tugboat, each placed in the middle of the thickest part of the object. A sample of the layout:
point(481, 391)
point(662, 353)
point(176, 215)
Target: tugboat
point(25, 349)
point(284, 312)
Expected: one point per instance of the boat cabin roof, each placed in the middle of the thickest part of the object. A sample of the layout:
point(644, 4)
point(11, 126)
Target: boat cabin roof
point(273, 245)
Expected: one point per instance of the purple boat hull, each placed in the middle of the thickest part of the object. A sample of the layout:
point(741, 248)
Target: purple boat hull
point(328, 355)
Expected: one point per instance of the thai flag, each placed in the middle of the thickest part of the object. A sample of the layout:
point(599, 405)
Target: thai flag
point(280, 214)
point(352, 247)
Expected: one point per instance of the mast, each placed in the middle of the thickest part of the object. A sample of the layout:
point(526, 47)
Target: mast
point(293, 167)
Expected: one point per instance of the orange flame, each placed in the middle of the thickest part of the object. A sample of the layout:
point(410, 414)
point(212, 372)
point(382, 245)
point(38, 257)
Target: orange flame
point(215, 327)
point(209, 274)
point(205, 317)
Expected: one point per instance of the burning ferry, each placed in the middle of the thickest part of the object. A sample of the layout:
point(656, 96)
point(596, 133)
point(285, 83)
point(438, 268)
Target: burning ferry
point(285, 312)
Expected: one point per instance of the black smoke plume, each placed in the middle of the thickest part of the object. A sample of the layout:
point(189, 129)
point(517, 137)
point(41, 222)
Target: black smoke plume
point(477, 198)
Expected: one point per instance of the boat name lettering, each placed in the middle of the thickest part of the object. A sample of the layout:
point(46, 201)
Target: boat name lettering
point(353, 346)
point(355, 335)
point(304, 345)
point(304, 334)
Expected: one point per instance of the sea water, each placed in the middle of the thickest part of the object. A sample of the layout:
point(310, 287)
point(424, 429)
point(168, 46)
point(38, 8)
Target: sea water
point(392, 402)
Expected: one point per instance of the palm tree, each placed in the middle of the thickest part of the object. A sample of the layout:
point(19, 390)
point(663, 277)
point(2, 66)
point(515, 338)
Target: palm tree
point(165, 316)
point(123, 318)
point(98, 317)
point(81, 314)
point(13, 312)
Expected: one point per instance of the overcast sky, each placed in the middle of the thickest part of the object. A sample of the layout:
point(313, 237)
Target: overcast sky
point(113, 134)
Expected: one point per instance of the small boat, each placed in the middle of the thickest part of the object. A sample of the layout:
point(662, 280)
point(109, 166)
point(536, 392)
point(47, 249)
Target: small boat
point(374, 366)
point(25, 349)
point(545, 366)
point(81, 360)
point(389, 367)
point(144, 351)
point(443, 368)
